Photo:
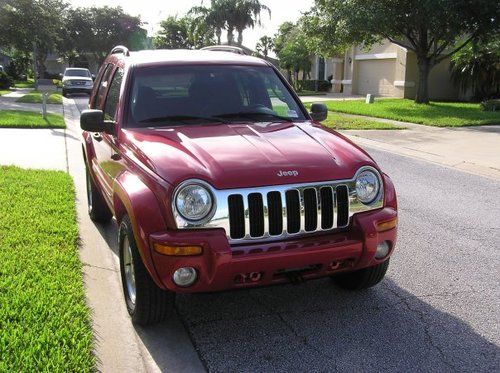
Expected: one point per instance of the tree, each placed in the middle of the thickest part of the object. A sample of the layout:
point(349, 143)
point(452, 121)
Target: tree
point(433, 29)
point(213, 17)
point(477, 67)
point(29, 23)
point(183, 33)
point(244, 14)
point(230, 15)
point(293, 51)
point(264, 46)
point(97, 30)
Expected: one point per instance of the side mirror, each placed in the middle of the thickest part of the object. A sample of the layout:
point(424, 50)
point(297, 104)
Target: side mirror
point(93, 76)
point(93, 121)
point(61, 75)
point(319, 112)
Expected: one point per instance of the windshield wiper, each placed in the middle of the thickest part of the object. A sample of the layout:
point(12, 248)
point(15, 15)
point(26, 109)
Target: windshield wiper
point(253, 114)
point(181, 118)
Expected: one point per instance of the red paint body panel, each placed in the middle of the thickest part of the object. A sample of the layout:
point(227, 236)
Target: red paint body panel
point(149, 163)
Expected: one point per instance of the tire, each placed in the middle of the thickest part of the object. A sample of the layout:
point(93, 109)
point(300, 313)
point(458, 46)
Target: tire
point(362, 279)
point(97, 207)
point(64, 93)
point(146, 303)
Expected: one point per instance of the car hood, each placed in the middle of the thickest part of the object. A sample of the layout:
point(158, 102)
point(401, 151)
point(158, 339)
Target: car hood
point(246, 155)
point(66, 78)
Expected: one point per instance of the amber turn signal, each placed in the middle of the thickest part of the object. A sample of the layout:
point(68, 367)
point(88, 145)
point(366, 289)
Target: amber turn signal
point(178, 250)
point(385, 225)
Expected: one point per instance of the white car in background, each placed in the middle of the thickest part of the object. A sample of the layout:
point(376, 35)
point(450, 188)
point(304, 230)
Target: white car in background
point(77, 80)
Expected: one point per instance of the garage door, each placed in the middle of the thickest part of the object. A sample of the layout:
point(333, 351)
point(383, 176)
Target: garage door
point(376, 77)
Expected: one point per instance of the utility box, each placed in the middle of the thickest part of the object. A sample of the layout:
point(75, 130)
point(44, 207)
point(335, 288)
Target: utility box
point(370, 99)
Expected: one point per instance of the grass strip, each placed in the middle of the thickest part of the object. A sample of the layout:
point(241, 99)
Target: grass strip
point(45, 324)
point(30, 119)
point(440, 114)
point(36, 98)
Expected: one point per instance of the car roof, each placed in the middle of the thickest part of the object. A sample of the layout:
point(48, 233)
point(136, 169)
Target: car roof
point(185, 56)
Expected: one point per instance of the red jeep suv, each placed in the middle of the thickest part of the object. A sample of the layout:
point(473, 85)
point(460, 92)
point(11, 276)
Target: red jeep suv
point(219, 178)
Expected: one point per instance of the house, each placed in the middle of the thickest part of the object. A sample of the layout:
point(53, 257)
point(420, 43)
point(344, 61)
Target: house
point(385, 69)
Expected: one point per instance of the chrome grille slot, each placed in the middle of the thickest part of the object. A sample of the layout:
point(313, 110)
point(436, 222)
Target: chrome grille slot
point(342, 206)
point(275, 213)
point(327, 205)
point(310, 210)
point(293, 211)
point(236, 216)
point(256, 214)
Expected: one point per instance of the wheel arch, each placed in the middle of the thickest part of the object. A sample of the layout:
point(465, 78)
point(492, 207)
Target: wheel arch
point(133, 198)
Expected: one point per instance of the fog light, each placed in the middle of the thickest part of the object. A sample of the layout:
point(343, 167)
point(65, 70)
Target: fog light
point(383, 249)
point(185, 276)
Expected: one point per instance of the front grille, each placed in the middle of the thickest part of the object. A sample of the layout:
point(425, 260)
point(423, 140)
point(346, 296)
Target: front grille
point(291, 211)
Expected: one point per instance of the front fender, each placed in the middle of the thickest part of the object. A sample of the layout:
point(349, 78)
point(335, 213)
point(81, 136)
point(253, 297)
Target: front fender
point(132, 196)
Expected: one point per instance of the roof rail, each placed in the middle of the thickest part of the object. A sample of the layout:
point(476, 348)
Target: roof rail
point(225, 48)
point(120, 49)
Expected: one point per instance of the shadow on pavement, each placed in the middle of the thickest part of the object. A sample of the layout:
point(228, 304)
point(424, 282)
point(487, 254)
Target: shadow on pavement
point(316, 326)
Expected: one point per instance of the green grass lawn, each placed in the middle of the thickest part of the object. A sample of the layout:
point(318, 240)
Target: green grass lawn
point(4, 91)
point(36, 98)
point(441, 114)
point(45, 324)
point(24, 84)
point(342, 122)
point(30, 119)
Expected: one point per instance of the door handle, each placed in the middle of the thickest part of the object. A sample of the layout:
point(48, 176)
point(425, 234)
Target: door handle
point(97, 136)
point(116, 157)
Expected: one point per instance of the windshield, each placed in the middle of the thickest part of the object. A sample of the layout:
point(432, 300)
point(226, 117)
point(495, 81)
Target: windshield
point(82, 72)
point(195, 94)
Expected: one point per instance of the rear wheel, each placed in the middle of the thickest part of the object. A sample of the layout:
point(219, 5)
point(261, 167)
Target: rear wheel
point(362, 278)
point(98, 209)
point(146, 302)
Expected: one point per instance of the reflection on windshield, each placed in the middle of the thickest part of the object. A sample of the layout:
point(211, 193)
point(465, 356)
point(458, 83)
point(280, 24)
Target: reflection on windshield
point(194, 94)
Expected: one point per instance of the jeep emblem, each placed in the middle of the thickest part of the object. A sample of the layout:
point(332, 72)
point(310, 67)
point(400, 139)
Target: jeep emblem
point(288, 173)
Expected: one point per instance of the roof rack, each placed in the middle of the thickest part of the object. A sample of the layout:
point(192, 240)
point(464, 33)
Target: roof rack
point(225, 48)
point(120, 49)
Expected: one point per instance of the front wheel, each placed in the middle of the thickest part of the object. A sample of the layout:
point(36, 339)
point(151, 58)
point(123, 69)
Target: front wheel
point(146, 302)
point(98, 209)
point(362, 278)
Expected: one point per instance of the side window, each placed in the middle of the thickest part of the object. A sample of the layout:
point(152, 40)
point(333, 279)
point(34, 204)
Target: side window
point(113, 96)
point(103, 84)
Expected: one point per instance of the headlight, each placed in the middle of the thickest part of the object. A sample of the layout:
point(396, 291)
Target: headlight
point(194, 202)
point(89, 83)
point(367, 186)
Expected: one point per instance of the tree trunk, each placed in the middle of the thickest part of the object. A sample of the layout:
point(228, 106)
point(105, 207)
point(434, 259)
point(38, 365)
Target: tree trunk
point(240, 37)
point(424, 67)
point(41, 65)
point(218, 32)
point(230, 36)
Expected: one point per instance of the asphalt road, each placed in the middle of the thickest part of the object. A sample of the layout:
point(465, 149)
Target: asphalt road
point(437, 310)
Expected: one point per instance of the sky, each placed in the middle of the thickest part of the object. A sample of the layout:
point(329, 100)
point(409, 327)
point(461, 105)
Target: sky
point(153, 11)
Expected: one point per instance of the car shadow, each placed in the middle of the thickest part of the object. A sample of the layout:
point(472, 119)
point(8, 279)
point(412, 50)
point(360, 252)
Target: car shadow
point(316, 326)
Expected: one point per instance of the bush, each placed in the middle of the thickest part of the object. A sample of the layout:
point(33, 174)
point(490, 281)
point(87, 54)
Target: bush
point(5, 81)
point(491, 105)
point(310, 85)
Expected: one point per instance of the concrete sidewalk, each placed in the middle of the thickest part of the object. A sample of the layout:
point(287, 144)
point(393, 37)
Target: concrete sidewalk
point(119, 347)
point(474, 150)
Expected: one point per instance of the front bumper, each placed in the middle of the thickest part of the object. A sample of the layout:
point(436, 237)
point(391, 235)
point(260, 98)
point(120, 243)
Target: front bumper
point(77, 89)
point(221, 267)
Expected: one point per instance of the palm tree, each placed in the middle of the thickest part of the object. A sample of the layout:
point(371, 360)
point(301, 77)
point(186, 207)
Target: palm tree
point(264, 46)
point(243, 14)
point(213, 17)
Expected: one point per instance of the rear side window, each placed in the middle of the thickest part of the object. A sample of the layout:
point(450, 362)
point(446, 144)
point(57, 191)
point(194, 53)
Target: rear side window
point(113, 96)
point(103, 84)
